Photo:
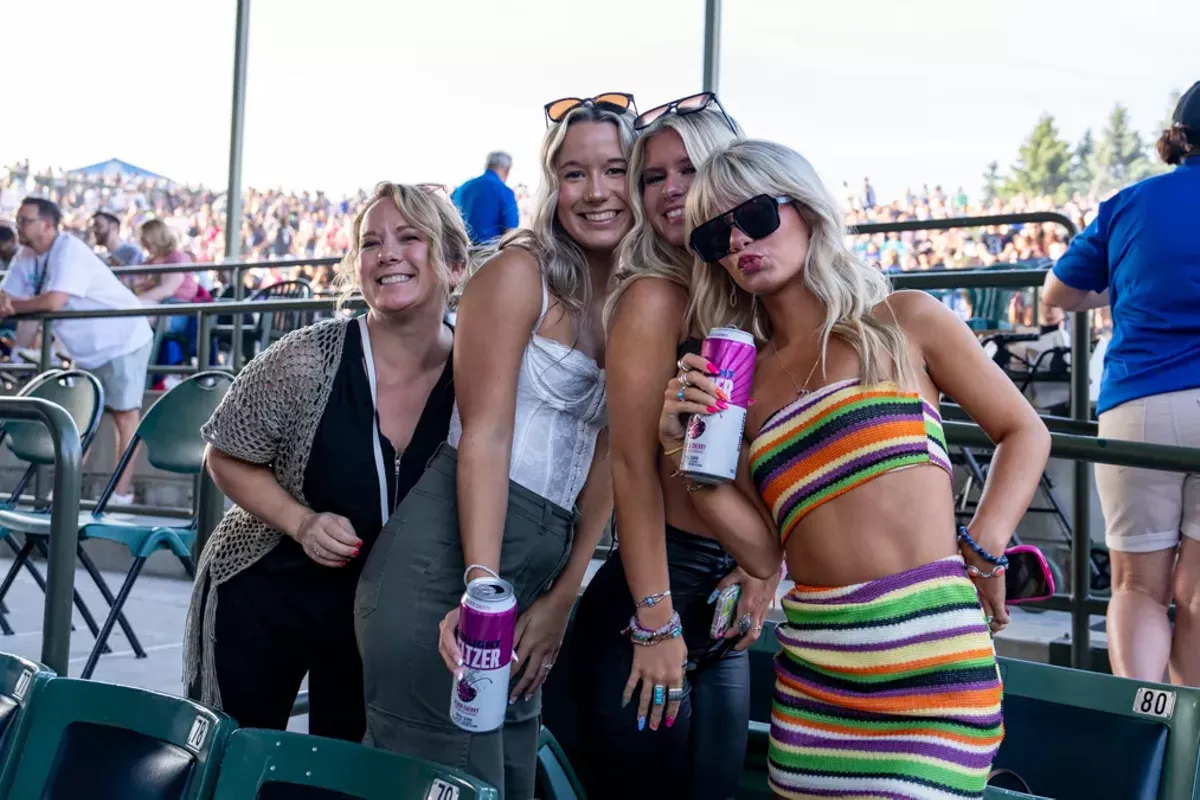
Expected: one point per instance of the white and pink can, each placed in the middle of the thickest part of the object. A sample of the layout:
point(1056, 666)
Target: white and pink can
point(486, 627)
point(713, 442)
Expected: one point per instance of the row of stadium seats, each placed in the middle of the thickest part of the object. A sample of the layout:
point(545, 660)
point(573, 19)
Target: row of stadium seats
point(66, 739)
point(1069, 734)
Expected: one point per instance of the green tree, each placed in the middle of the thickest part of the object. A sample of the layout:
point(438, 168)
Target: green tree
point(1120, 157)
point(992, 182)
point(1081, 163)
point(1043, 164)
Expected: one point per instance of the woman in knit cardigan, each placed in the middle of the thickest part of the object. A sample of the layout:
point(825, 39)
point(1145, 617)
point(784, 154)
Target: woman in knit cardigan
point(317, 441)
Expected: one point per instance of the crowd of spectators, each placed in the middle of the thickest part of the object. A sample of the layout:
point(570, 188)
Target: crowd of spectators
point(278, 225)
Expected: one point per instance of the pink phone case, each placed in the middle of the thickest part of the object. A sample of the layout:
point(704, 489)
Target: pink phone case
point(1045, 567)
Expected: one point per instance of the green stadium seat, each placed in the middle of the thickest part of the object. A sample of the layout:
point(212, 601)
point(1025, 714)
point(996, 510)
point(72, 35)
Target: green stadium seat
point(100, 741)
point(279, 765)
point(1072, 735)
point(20, 681)
point(170, 433)
point(556, 778)
point(81, 394)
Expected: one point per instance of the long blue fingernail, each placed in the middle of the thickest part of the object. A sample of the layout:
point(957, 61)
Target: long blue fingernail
point(641, 723)
point(715, 594)
point(624, 702)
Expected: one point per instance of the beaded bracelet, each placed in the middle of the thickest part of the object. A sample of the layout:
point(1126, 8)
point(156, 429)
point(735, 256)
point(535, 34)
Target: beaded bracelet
point(651, 600)
point(999, 561)
point(644, 636)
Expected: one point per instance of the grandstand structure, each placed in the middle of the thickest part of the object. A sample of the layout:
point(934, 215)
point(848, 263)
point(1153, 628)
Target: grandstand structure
point(97, 710)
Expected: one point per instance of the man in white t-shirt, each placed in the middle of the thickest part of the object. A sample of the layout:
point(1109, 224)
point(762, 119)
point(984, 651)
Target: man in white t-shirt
point(54, 271)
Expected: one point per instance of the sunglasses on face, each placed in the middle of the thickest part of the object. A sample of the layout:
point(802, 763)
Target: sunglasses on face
point(616, 102)
point(758, 218)
point(682, 107)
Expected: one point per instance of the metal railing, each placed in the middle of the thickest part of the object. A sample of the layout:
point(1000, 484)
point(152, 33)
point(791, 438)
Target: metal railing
point(64, 522)
point(1072, 438)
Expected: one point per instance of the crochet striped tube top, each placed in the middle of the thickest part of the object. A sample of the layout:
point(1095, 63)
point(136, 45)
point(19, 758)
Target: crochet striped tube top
point(825, 443)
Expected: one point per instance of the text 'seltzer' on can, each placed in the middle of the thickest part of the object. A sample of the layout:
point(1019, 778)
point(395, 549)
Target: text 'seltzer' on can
point(486, 627)
point(713, 442)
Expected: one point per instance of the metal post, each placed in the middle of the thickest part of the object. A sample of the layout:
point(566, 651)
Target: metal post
point(47, 354)
point(210, 506)
point(1081, 541)
point(64, 522)
point(712, 44)
point(203, 341)
point(233, 197)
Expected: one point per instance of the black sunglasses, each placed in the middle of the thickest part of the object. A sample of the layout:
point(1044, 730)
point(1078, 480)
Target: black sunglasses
point(682, 107)
point(617, 102)
point(758, 218)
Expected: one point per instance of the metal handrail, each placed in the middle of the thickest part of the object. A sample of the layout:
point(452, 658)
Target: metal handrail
point(64, 522)
point(951, 223)
point(226, 266)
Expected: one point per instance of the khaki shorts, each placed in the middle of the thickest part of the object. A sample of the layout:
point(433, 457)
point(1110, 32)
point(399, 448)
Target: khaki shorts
point(1144, 509)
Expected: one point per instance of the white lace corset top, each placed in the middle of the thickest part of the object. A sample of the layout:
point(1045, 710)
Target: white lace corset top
point(561, 407)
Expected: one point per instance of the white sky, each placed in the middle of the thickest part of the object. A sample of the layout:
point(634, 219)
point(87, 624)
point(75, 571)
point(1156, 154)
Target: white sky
point(342, 94)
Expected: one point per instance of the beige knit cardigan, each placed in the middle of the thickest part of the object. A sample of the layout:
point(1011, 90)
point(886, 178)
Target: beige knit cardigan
point(269, 416)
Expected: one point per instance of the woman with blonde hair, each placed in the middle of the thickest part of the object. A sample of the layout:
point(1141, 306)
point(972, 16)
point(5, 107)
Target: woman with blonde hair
point(317, 441)
point(521, 490)
point(162, 247)
point(887, 683)
point(668, 559)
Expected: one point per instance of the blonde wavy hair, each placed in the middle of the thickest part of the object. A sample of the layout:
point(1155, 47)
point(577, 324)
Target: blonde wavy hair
point(429, 213)
point(562, 261)
point(848, 288)
point(643, 253)
point(158, 238)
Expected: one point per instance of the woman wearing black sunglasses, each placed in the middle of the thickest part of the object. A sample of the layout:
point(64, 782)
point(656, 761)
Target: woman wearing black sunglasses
point(668, 559)
point(887, 683)
point(521, 490)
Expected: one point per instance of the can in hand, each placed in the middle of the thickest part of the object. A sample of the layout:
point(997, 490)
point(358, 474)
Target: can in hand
point(486, 627)
point(713, 442)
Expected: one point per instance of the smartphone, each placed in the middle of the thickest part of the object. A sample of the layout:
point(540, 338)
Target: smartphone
point(724, 608)
point(1028, 576)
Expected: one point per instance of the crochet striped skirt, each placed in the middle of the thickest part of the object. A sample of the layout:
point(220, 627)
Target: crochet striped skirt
point(886, 689)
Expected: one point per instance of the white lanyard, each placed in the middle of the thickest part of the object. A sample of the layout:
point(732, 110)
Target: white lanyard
point(382, 474)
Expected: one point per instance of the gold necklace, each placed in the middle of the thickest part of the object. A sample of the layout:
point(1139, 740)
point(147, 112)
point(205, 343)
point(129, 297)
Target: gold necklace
point(800, 390)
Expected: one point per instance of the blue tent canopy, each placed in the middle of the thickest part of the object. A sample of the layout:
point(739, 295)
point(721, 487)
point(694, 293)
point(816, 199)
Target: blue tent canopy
point(116, 168)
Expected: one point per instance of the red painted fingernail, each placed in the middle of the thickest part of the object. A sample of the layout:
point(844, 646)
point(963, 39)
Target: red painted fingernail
point(711, 367)
point(721, 404)
point(751, 402)
point(711, 409)
point(356, 551)
point(670, 721)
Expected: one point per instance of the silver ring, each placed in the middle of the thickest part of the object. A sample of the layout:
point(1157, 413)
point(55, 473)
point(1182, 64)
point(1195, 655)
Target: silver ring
point(679, 366)
point(744, 622)
point(675, 694)
point(990, 619)
point(683, 380)
point(547, 665)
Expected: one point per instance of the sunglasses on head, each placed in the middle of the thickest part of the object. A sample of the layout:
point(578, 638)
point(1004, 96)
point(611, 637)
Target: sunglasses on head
point(617, 102)
point(682, 107)
point(758, 218)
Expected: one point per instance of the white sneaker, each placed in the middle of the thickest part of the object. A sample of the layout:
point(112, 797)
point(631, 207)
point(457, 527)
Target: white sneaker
point(120, 499)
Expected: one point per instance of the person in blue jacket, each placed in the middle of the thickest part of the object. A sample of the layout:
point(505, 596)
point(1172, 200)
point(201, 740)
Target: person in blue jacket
point(1141, 256)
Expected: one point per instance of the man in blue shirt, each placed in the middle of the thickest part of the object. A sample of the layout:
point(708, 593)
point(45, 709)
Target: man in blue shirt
point(488, 206)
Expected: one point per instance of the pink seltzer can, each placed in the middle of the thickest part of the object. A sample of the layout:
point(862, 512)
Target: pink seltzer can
point(486, 626)
point(713, 442)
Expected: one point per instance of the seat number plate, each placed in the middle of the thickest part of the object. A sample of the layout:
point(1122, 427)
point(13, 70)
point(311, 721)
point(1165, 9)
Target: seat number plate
point(1154, 702)
point(440, 790)
point(198, 733)
point(23, 684)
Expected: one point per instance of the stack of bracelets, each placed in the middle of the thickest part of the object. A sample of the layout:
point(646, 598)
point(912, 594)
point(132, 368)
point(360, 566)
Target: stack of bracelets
point(999, 563)
point(645, 636)
point(638, 634)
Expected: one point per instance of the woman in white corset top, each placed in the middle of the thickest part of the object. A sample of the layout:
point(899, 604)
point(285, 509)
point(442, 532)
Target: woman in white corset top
point(521, 489)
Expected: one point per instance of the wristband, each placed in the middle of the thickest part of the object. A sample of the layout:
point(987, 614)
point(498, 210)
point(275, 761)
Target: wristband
point(488, 570)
